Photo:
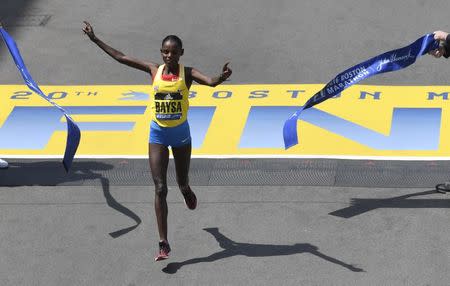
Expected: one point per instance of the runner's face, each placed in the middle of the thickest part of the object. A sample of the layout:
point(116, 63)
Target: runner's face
point(171, 53)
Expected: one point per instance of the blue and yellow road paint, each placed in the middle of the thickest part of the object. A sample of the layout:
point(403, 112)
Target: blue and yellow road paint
point(233, 120)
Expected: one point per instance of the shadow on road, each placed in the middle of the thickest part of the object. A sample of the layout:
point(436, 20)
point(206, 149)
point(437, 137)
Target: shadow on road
point(232, 248)
point(360, 206)
point(52, 173)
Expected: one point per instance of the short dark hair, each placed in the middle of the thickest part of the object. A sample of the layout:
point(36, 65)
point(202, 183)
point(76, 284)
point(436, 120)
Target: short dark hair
point(173, 38)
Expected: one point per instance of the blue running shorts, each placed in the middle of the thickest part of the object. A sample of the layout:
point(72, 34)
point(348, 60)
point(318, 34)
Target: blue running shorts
point(170, 136)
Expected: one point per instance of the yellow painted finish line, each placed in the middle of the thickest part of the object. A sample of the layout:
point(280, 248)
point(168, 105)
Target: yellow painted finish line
point(233, 120)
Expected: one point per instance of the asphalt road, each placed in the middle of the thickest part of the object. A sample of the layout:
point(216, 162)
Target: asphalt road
point(286, 41)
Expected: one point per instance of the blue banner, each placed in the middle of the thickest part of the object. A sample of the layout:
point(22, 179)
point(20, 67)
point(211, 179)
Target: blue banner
point(389, 61)
point(73, 132)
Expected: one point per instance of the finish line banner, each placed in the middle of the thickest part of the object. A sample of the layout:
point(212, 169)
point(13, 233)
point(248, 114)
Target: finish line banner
point(387, 62)
point(73, 132)
point(232, 120)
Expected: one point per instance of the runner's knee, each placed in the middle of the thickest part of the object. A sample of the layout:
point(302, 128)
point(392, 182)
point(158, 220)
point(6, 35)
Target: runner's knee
point(161, 189)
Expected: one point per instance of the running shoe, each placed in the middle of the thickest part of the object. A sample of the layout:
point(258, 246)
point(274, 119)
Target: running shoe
point(164, 249)
point(3, 164)
point(190, 200)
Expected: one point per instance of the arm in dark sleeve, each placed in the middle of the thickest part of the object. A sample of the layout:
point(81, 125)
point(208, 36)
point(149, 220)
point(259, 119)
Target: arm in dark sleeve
point(447, 47)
